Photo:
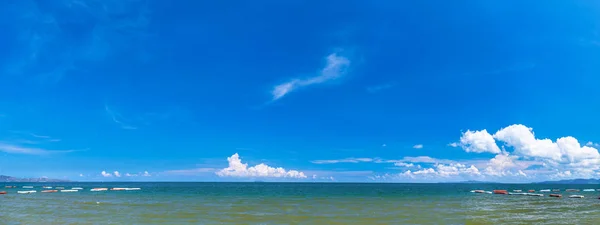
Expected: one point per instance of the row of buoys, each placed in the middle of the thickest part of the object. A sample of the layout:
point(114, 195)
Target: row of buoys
point(530, 193)
point(44, 187)
point(62, 189)
point(553, 190)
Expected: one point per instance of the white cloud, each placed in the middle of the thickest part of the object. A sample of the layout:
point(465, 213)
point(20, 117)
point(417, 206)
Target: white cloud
point(456, 170)
point(336, 67)
point(117, 174)
point(118, 118)
point(130, 175)
point(346, 160)
point(565, 174)
point(81, 175)
point(592, 144)
point(444, 171)
point(408, 159)
point(105, 174)
point(238, 169)
point(564, 157)
point(426, 159)
point(146, 174)
point(453, 144)
point(383, 145)
point(479, 142)
point(19, 149)
point(378, 88)
point(425, 171)
point(564, 150)
point(194, 171)
point(504, 165)
point(419, 146)
point(402, 164)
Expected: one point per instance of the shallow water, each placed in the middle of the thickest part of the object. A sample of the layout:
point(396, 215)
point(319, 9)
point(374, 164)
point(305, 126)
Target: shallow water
point(295, 203)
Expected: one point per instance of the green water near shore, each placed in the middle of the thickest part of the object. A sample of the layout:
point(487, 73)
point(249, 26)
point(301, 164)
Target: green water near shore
point(295, 203)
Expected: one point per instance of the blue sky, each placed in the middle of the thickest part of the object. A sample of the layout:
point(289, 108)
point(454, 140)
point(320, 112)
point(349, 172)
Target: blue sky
point(373, 91)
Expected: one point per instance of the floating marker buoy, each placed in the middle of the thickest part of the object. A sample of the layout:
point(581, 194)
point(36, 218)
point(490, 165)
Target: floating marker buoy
point(501, 192)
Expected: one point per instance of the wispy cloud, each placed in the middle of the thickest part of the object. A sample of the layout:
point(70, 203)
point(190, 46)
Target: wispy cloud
point(378, 88)
point(418, 146)
point(41, 45)
point(346, 160)
point(38, 138)
point(408, 159)
point(513, 68)
point(24, 142)
point(18, 149)
point(335, 68)
point(195, 171)
point(117, 118)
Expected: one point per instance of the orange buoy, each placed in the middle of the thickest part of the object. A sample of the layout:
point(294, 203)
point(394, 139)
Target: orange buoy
point(531, 191)
point(501, 192)
point(555, 195)
point(2, 192)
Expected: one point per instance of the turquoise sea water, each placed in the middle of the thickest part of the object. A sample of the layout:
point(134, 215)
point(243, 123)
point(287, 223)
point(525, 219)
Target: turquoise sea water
point(295, 203)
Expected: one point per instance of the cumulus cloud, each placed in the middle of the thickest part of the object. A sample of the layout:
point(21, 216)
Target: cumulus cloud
point(445, 170)
point(146, 174)
point(238, 169)
point(117, 174)
point(519, 156)
point(478, 141)
point(425, 171)
point(565, 155)
point(565, 150)
point(105, 174)
point(335, 68)
point(419, 146)
point(456, 169)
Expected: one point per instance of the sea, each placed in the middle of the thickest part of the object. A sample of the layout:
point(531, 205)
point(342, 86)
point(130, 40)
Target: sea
point(295, 203)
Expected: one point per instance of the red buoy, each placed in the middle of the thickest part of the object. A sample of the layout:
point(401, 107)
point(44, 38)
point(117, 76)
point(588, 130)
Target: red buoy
point(501, 192)
point(2, 192)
